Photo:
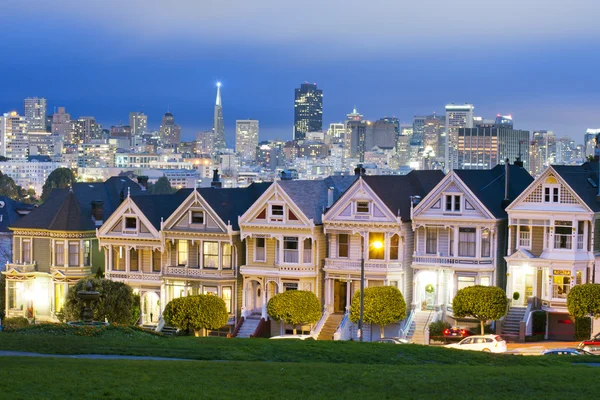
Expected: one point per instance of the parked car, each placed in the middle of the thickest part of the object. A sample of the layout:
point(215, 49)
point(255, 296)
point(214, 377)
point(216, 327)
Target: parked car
point(456, 333)
point(296, 337)
point(394, 340)
point(487, 343)
point(593, 344)
point(566, 352)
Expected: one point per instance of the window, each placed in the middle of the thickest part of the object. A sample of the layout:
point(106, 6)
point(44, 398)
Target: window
point(561, 284)
point(375, 239)
point(580, 231)
point(465, 281)
point(118, 259)
point(73, 254)
point(210, 255)
point(197, 217)
point(307, 256)
point(260, 251)
point(484, 281)
point(466, 242)
point(130, 223)
point(226, 293)
point(182, 252)
point(87, 253)
point(211, 290)
point(156, 260)
point(451, 241)
point(431, 240)
point(277, 212)
point(485, 243)
point(59, 296)
point(59, 253)
point(343, 245)
point(551, 194)
point(452, 203)
point(578, 278)
point(227, 256)
point(563, 235)
point(394, 244)
point(26, 252)
point(134, 260)
point(362, 207)
point(524, 236)
point(290, 249)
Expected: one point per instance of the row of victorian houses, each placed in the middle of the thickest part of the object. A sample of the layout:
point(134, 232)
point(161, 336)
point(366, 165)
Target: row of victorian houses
point(537, 238)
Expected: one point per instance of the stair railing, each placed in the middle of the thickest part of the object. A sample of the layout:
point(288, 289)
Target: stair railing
point(523, 322)
point(238, 325)
point(407, 322)
point(319, 326)
point(161, 324)
point(343, 331)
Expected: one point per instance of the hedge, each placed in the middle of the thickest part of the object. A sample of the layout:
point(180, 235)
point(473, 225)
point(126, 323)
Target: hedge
point(115, 303)
point(193, 313)
point(484, 303)
point(295, 307)
point(383, 305)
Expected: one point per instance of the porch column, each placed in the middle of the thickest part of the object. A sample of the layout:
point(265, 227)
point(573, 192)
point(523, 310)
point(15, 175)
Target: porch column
point(127, 248)
point(348, 287)
point(509, 247)
point(141, 308)
point(280, 246)
point(109, 262)
point(65, 253)
point(81, 249)
point(264, 302)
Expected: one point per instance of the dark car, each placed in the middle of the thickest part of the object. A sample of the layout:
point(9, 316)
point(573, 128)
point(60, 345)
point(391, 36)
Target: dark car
point(566, 352)
point(591, 345)
point(455, 333)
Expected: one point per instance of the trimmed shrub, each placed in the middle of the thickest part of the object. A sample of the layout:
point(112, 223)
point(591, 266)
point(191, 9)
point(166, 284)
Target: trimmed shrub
point(584, 300)
point(484, 303)
point(295, 307)
point(15, 323)
point(516, 296)
point(136, 309)
point(538, 323)
point(436, 329)
point(193, 313)
point(383, 305)
point(487, 330)
point(115, 303)
point(583, 328)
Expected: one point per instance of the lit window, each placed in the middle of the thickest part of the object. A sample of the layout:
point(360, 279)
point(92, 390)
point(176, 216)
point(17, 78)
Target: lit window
point(210, 254)
point(226, 295)
point(226, 256)
point(182, 252)
point(375, 246)
point(134, 260)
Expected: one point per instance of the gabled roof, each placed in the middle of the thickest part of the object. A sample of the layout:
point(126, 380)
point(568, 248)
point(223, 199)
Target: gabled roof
point(580, 179)
point(159, 206)
point(312, 196)
point(488, 185)
point(11, 211)
point(395, 190)
point(71, 209)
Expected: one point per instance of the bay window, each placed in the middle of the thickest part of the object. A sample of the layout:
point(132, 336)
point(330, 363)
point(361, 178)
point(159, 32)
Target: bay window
point(466, 242)
point(394, 245)
point(563, 235)
point(343, 245)
point(376, 252)
point(156, 260)
point(226, 295)
point(134, 260)
point(260, 253)
point(210, 255)
point(485, 243)
point(59, 253)
point(307, 256)
point(465, 281)
point(182, 253)
point(26, 251)
point(290, 249)
point(87, 253)
point(431, 240)
point(118, 259)
point(73, 254)
point(227, 259)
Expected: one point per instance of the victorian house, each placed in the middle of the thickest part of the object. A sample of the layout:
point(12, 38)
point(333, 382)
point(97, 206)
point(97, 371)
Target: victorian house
point(460, 235)
point(55, 245)
point(554, 241)
point(370, 224)
point(285, 244)
point(10, 212)
point(186, 243)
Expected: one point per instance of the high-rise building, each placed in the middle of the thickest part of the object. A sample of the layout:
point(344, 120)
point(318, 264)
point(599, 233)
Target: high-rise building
point(170, 132)
point(457, 116)
point(542, 151)
point(14, 142)
point(61, 124)
point(35, 113)
point(84, 130)
point(484, 148)
point(246, 139)
point(138, 121)
point(218, 124)
point(308, 110)
point(205, 142)
point(364, 135)
point(434, 136)
point(589, 141)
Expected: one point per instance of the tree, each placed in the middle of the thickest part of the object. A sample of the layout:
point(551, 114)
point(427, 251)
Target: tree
point(383, 305)
point(60, 178)
point(584, 300)
point(9, 188)
point(484, 303)
point(115, 304)
point(193, 313)
point(295, 307)
point(162, 186)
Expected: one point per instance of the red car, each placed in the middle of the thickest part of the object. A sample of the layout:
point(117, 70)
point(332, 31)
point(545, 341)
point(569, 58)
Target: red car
point(455, 333)
point(591, 345)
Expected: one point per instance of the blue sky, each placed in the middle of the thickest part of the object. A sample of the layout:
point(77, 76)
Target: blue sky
point(536, 60)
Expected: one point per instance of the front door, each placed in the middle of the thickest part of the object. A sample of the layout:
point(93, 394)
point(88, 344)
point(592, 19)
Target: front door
point(340, 296)
point(256, 298)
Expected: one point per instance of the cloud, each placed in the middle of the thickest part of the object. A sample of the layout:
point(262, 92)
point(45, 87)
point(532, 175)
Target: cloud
point(386, 25)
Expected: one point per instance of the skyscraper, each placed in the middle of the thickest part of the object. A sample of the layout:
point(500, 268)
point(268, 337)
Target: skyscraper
point(170, 132)
point(138, 121)
point(246, 139)
point(218, 125)
point(61, 124)
point(84, 130)
point(35, 113)
point(14, 142)
point(308, 110)
point(457, 116)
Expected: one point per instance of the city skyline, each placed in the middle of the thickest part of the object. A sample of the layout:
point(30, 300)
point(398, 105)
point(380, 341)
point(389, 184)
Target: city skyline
point(112, 77)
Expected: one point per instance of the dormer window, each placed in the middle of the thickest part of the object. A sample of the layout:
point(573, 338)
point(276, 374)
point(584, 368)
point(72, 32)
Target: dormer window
point(130, 223)
point(452, 203)
point(197, 217)
point(276, 213)
point(551, 190)
point(363, 207)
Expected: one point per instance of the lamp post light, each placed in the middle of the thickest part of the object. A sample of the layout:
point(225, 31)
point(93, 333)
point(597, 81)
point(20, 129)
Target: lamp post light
point(376, 245)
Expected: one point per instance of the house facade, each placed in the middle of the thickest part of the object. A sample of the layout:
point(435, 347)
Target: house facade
point(10, 212)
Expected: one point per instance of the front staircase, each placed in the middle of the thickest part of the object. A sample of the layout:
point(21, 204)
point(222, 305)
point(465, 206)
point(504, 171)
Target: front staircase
point(512, 323)
point(169, 331)
point(416, 332)
point(248, 326)
point(330, 326)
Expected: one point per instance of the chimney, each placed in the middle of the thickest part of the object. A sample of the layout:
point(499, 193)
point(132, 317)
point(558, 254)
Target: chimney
point(506, 178)
point(143, 182)
point(330, 196)
point(359, 170)
point(216, 181)
point(98, 211)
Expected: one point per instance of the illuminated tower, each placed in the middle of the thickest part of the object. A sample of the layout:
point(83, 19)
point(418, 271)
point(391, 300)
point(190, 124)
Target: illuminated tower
point(218, 126)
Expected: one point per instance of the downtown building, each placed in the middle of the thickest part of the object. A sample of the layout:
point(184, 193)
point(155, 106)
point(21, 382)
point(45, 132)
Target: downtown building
point(308, 110)
point(246, 139)
point(457, 117)
point(35, 114)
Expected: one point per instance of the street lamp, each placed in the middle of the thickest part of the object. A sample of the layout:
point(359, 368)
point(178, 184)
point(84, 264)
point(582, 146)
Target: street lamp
point(376, 245)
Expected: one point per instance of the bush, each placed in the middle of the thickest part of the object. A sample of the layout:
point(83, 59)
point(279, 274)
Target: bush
point(383, 305)
point(295, 307)
point(583, 328)
point(538, 323)
point(485, 303)
point(516, 296)
point(136, 309)
point(116, 330)
point(115, 303)
point(487, 330)
point(584, 300)
point(193, 313)
point(436, 329)
point(15, 323)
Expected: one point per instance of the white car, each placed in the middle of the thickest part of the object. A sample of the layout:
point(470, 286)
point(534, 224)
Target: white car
point(487, 343)
point(297, 337)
